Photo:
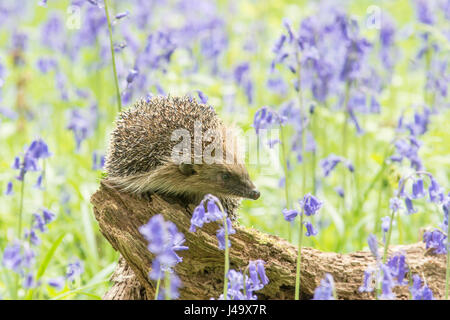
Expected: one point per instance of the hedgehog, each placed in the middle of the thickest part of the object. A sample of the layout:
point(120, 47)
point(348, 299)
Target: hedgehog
point(177, 147)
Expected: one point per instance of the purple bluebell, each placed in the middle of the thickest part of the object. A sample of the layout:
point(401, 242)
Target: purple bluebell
point(385, 221)
point(98, 161)
point(52, 32)
point(387, 283)
point(265, 118)
point(57, 283)
point(122, 15)
point(326, 289)
point(436, 240)
point(289, 214)
point(39, 222)
point(34, 239)
point(163, 240)
point(236, 285)
point(340, 191)
point(409, 206)
point(398, 268)
point(46, 65)
point(329, 163)
point(418, 291)
point(417, 189)
point(132, 74)
point(257, 275)
point(18, 256)
point(237, 281)
point(367, 285)
point(28, 281)
point(435, 192)
point(82, 123)
point(243, 79)
point(310, 231)
point(373, 246)
point(175, 285)
point(9, 189)
point(221, 234)
point(48, 216)
point(38, 184)
point(74, 269)
point(310, 204)
point(38, 149)
point(201, 216)
point(424, 11)
point(395, 204)
point(203, 97)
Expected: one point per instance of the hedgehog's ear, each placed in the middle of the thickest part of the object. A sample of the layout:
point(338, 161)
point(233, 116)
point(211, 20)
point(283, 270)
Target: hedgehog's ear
point(186, 168)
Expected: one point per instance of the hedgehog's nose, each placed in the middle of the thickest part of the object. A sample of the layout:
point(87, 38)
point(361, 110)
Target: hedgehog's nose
point(254, 194)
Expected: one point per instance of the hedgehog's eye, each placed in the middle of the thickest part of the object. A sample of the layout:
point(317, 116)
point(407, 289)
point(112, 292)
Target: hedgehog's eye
point(226, 176)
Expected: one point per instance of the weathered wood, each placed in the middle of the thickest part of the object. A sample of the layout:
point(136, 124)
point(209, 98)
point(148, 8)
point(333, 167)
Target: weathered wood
point(120, 215)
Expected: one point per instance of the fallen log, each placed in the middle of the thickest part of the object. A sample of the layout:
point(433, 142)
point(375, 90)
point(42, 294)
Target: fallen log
point(120, 215)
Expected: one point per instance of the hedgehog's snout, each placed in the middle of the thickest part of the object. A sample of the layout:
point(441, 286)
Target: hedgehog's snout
point(254, 194)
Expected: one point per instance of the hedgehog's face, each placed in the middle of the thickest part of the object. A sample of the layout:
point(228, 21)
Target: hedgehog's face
point(220, 179)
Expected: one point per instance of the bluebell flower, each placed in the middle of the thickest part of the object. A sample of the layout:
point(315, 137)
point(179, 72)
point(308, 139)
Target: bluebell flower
point(201, 215)
point(242, 77)
point(310, 231)
point(48, 215)
point(98, 161)
point(395, 204)
point(45, 65)
point(163, 240)
point(340, 191)
point(387, 283)
point(38, 184)
point(436, 240)
point(310, 204)
point(132, 74)
point(82, 123)
point(326, 288)
point(236, 285)
point(385, 221)
point(18, 256)
point(424, 12)
point(368, 281)
point(435, 192)
point(409, 206)
point(9, 189)
point(418, 291)
point(417, 189)
point(57, 283)
point(257, 275)
point(265, 118)
point(34, 239)
point(238, 281)
point(289, 214)
point(122, 15)
point(175, 284)
point(74, 269)
point(38, 149)
point(329, 163)
point(39, 222)
point(373, 245)
point(221, 234)
point(398, 268)
point(28, 281)
point(408, 148)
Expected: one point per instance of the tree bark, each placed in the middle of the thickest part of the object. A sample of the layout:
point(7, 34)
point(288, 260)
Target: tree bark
point(120, 215)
